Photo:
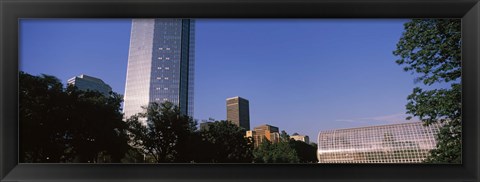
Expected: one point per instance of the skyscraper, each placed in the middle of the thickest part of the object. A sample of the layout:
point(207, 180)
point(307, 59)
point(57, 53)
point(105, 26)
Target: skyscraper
point(85, 83)
point(160, 64)
point(238, 112)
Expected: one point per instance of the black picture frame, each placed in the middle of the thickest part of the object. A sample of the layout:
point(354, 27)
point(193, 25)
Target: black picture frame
point(11, 11)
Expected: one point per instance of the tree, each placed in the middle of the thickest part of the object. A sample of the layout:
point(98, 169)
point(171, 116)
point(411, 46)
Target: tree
point(306, 153)
point(225, 142)
point(281, 152)
point(41, 119)
point(134, 155)
point(431, 48)
point(99, 133)
point(68, 125)
point(284, 137)
point(162, 132)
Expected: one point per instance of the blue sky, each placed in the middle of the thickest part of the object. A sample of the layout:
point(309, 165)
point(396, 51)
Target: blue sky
point(301, 75)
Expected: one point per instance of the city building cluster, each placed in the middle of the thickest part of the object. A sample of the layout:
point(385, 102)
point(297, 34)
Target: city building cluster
point(160, 68)
point(238, 113)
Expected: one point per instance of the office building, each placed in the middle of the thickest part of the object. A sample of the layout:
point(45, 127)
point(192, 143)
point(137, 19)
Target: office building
point(238, 112)
point(160, 64)
point(395, 143)
point(263, 133)
point(303, 138)
point(205, 126)
point(89, 83)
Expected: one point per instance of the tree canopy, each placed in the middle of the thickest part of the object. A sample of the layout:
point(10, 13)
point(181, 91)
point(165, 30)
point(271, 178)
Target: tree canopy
point(306, 152)
point(60, 124)
point(285, 151)
point(281, 152)
point(161, 132)
point(225, 142)
point(431, 49)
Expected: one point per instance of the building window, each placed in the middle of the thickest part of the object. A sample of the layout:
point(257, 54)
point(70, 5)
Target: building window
point(160, 58)
point(160, 48)
point(167, 68)
point(167, 58)
point(159, 78)
point(159, 68)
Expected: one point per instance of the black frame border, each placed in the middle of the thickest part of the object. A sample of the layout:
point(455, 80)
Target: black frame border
point(11, 11)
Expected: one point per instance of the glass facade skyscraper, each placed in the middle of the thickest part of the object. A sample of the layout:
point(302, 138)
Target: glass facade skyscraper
point(396, 143)
point(160, 64)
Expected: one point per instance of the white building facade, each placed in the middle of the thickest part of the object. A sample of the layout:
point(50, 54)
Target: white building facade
point(90, 83)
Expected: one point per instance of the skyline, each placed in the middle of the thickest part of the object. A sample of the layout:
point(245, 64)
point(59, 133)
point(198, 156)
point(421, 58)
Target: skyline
point(253, 59)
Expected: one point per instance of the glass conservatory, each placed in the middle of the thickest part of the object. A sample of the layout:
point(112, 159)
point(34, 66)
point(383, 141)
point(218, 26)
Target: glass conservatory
point(395, 143)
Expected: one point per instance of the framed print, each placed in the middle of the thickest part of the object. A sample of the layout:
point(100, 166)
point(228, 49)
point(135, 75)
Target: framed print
point(239, 90)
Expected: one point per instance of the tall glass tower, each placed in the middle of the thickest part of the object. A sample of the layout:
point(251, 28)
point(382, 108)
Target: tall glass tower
point(160, 64)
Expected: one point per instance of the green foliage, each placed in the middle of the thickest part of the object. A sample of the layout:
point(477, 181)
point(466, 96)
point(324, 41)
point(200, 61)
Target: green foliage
point(281, 152)
point(41, 119)
point(162, 132)
point(225, 142)
point(306, 153)
point(99, 125)
point(134, 155)
point(285, 151)
point(58, 125)
point(431, 48)
point(284, 136)
point(169, 136)
point(436, 105)
point(449, 145)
